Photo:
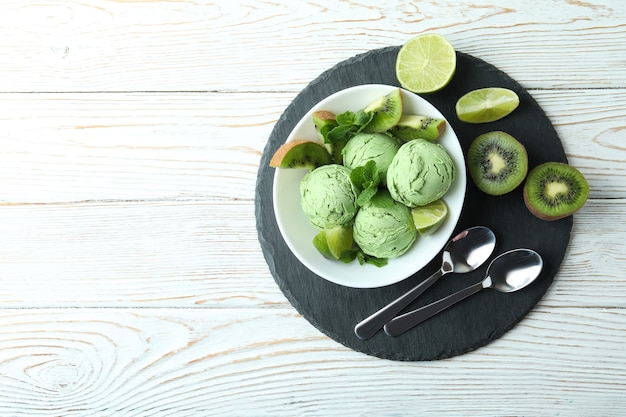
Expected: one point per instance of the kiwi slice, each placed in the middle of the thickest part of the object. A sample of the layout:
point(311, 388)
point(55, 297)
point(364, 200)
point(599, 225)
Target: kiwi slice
point(554, 190)
point(413, 126)
point(300, 154)
point(324, 122)
point(497, 162)
point(387, 112)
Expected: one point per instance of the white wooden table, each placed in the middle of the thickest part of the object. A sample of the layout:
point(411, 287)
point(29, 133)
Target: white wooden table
point(131, 278)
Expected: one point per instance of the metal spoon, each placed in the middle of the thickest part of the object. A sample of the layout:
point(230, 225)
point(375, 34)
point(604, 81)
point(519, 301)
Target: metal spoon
point(464, 253)
point(509, 272)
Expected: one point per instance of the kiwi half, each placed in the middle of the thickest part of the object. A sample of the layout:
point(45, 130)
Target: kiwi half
point(497, 162)
point(554, 190)
point(413, 126)
point(300, 154)
point(387, 112)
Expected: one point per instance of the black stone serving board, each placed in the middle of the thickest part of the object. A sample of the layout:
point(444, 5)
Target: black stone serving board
point(480, 319)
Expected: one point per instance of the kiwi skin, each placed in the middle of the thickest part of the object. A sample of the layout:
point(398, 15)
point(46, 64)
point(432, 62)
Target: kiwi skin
point(300, 154)
point(554, 190)
point(493, 151)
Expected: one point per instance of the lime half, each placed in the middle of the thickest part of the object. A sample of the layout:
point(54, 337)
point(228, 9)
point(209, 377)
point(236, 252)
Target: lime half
point(426, 63)
point(332, 243)
point(486, 105)
point(428, 218)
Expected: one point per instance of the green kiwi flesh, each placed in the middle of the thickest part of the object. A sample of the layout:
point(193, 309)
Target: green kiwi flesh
point(497, 162)
point(554, 190)
point(387, 112)
point(300, 154)
point(324, 122)
point(412, 126)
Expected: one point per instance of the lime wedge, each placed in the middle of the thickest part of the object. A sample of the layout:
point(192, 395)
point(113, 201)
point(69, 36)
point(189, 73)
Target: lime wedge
point(319, 241)
point(332, 243)
point(428, 218)
point(339, 240)
point(426, 63)
point(486, 105)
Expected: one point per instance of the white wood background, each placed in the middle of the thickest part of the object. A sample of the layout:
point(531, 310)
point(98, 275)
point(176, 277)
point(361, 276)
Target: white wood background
point(131, 278)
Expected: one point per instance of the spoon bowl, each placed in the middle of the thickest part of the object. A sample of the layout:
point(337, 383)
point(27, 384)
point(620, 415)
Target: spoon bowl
point(509, 272)
point(463, 253)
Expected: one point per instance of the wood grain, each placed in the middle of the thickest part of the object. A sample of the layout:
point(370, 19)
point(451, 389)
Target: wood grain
point(185, 146)
point(237, 362)
point(232, 45)
point(206, 254)
point(131, 278)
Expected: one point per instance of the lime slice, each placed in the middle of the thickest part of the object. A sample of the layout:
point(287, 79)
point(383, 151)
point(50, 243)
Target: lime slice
point(426, 63)
point(332, 243)
point(428, 218)
point(486, 105)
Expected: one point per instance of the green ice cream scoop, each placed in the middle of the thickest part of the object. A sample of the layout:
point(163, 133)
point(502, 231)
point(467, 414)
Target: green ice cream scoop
point(384, 232)
point(377, 147)
point(420, 173)
point(328, 197)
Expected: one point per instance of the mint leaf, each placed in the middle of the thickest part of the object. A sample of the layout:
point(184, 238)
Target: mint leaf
point(348, 256)
point(367, 259)
point(362, 118)
point(382, 199)
point(349, 124)
point(346, 118)
point(325, 130)
point(340, 133)
point(366, 178)
point(366, 195)
point(365, 175)
point(379, 262)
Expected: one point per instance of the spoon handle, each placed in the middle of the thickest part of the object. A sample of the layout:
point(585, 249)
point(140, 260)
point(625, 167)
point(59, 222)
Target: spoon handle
point(407, 321)
point(371, 325)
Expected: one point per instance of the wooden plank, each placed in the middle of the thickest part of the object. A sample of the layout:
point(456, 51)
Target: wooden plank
point(182, 146)
point(230, 45)
point(133, 254)
point(272, 362)
point(207, 254)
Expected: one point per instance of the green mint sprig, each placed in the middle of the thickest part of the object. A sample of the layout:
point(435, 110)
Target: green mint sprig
point(348, 125)
point(366, 178)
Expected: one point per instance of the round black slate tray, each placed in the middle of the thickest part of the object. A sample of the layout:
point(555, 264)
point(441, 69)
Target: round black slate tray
point(335, 309)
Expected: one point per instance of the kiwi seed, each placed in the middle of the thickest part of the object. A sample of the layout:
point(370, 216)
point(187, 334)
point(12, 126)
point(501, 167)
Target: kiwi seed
point(554, 190)
point(300, 154)
point(413, 126)
point(387, 112)
point(497, 162)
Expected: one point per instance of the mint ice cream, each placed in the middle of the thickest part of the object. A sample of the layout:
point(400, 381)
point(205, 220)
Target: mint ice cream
point(377, 147)
point(384, 232)
point(328, 197)
point(420, 173)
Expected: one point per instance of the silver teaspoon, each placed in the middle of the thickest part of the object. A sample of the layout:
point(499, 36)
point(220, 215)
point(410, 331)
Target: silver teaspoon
point(509, 272)
point(464, 253)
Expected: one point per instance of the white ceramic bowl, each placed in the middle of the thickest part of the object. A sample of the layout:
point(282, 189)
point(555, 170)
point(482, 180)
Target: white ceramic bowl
point(298, 232)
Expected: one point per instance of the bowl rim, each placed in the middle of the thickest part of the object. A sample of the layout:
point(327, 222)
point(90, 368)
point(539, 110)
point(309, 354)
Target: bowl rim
point(297, 231)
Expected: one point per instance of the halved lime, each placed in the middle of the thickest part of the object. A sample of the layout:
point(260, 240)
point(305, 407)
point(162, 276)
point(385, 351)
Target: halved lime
point(486, 105)
point(332, 243)
point(426, 63)
point(428, 218)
